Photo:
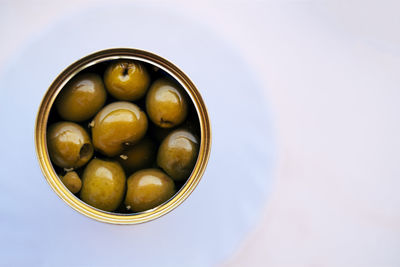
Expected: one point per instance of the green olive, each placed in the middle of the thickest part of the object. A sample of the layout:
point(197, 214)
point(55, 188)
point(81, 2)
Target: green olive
point(103, 184)
point(127, 79)
point(81, 98)
point(140, 156)
point(166, 104)
point(178, 153)
point(147, 189)
point(69, 145)
point(72, 181)
point(117, 125)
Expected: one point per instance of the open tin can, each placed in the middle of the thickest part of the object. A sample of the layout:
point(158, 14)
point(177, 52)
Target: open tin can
point(43, 118)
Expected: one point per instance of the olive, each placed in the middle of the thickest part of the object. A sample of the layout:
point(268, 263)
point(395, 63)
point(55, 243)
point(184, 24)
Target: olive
point(117, 125)
point(69, 145)
point(178, 153)
point(140, 156)
point(147, 189)
point(166, 103)
point(126, 79)
point(103, 184)
point(72, 181)
point(81, 98)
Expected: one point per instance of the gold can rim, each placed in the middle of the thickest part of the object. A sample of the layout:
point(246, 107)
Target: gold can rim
point(41, 144)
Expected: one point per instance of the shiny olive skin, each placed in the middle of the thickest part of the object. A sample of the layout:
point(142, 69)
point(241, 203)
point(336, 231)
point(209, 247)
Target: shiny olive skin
point(69, 145)
point(147, 189)
point(116, 126)
point(72, 181)
point(178, 153)
point(166, 104)
point(127, 79)
point(81, 98)
point(139, 156)
point(103, 184)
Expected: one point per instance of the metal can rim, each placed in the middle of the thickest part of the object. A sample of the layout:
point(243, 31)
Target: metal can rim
point(41, 144)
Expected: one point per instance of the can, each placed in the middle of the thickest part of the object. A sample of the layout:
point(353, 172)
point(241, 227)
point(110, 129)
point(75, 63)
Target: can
point(44, 158)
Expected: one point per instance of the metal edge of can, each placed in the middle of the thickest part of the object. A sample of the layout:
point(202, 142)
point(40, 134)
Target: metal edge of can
point(52, 177)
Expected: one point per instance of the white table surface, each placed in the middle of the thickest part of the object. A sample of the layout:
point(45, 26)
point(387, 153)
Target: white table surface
point(331, 76)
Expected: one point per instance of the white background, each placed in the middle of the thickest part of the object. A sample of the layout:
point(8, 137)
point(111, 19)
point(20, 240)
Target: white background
point(331, 77)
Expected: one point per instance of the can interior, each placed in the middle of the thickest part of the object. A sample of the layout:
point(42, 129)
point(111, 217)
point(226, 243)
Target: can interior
point(156, 71)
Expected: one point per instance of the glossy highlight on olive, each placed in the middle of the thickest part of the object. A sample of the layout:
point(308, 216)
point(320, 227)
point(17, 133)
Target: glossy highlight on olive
point(117, 125)
point(81, 98)
point(178, 153)
point(147, 189)
point(72, 181)
point(69, 145)
point(127, 79)
point(166, 104)
point(103, 184)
